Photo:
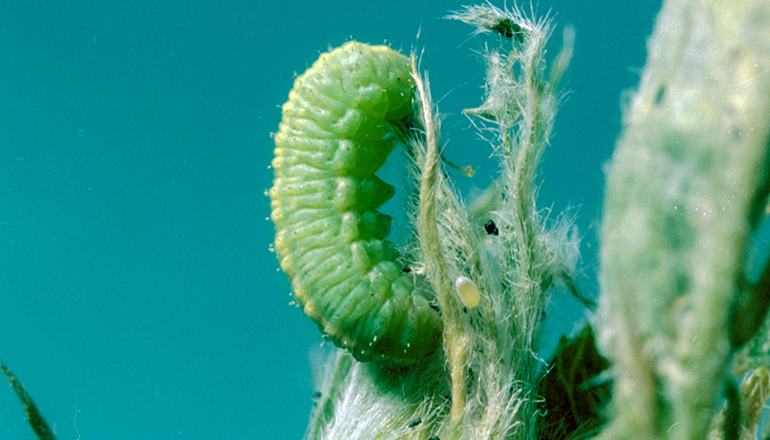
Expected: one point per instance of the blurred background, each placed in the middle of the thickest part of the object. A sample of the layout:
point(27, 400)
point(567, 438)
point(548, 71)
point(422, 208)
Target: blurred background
point(138, 297)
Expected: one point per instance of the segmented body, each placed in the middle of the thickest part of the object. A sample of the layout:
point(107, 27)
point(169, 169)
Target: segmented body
point(335, 134)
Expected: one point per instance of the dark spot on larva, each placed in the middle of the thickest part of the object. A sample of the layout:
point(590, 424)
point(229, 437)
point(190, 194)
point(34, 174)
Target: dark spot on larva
point(317, 395)
point(414, 422)
point(491, 228)
point(435, 437)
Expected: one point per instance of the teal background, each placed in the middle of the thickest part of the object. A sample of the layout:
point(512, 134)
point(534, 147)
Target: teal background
point(138, 297)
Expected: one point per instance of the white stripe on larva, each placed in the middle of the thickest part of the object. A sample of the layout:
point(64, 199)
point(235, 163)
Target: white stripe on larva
point(468, 292)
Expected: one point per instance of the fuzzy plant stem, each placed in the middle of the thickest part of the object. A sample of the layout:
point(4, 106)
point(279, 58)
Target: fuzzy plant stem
point(456, 340)
point(686, 184)
point(324, 413)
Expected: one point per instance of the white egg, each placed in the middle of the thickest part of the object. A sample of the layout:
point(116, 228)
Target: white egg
point(469, 293)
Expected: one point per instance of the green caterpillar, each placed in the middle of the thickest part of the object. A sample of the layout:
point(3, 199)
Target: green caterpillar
point(335, 134)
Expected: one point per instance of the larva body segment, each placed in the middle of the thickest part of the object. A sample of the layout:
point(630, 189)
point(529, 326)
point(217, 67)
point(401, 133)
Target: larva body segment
point(329, 237)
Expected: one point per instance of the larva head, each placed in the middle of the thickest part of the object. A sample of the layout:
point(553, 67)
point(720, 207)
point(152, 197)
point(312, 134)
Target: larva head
point(337, 131)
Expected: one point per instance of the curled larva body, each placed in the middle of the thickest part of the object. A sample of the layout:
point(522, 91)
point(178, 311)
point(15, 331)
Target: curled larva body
point(330, 240)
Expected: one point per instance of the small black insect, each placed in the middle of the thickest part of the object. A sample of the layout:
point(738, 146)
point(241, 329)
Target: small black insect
point(491, 228)
point(508, 29)
point(406, 269)
point(414, 422)
point(434, 438)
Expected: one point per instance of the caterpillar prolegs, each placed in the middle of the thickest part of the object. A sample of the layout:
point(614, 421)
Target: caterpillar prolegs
point(330, 240)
